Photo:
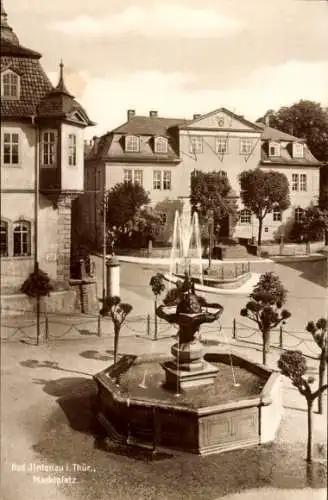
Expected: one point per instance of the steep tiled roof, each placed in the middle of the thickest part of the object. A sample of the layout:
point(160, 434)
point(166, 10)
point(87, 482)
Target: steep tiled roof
point(273, 134)
point(59, 103)
point(34, 84)
point(285, 158)
point(145, 125)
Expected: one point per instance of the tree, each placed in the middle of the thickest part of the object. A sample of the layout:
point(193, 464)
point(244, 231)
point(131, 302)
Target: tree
point(262, 192)
point(307, 120)
point(293, 365)
point(313, 224)
point(37, 285)
point(157, 286)
point(318, 331)
point(212, 191)
point(265, 307)
point(118, 312)
point(123, 202)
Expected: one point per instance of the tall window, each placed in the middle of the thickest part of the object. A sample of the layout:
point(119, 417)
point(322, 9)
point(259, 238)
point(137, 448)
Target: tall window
point(245, 146)
point(132, 144)
point(10, 85)
point(303, 182)
point(22, 239)
point(298, 214)
point(10, 148)
point(157, 177)
point(221, 145)
point(166, 180)
point(4, 239)
point(299, 182)
point(276, 214)
point(245, 216)
point(72, 150)
point(131, 175)
point(49, 141)
point(128, 175)
point(160, 145)
point(138, 177)
point(195, 144)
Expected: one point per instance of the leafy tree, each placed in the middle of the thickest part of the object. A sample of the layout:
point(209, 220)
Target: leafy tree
point(307, 120)
point(157, 286)
point(212, 191)
point(37, 285)
point(293, 365)
point(118, 312)
point(262, 192)
point(313, 223)
point(318, 331)
point(123, 202)
point(265, 307)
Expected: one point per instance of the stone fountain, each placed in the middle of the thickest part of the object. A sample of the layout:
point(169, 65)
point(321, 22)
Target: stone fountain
point(190, 402)
point(189, 312)
point(199, 402)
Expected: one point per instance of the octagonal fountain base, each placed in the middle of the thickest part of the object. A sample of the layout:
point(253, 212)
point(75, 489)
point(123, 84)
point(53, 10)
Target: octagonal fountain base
point(135, 406)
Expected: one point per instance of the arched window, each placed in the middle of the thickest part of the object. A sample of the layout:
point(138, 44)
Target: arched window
point(10, 85)
point(298, 214)
point(4, 239)
point(245, 216)
point(22, 239)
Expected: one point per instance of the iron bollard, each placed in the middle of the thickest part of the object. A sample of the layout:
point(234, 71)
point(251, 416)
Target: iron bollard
point(148, 325)
point(99, 325)
point(46, 331)
point(234, 329)
point(281, 337)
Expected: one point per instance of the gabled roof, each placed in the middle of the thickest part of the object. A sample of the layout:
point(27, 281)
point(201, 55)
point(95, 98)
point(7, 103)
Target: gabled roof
point(145, 125)
point(239, 118)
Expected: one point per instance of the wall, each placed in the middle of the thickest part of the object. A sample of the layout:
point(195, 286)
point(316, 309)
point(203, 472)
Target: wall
point(21, 175)
point(20, 206)
point(72, 176)
point(233, 163)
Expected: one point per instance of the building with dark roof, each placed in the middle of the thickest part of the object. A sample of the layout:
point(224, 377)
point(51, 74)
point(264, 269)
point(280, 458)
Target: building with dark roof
point(162, 153)
point(42, 164)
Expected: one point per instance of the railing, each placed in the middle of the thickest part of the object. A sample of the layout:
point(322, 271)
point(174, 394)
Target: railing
point(56, 327)
point(218, 271)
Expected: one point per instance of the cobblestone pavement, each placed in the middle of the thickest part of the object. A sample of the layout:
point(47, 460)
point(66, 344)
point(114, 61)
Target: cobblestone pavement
point(46, 416)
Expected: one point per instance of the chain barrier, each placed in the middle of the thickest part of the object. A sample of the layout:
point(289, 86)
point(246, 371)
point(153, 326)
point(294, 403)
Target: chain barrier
point(144, 325)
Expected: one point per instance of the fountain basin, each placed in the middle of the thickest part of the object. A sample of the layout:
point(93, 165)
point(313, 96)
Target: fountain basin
point(206, 419)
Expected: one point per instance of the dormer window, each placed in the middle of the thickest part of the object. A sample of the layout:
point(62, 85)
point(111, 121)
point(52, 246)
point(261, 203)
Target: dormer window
point(132, 144)
point(160, 145)
point(298, 150)
point(274, 149)
point(10, 85)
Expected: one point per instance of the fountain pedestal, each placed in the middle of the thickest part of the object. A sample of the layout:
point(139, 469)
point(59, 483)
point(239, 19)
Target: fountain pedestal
point(188, 368)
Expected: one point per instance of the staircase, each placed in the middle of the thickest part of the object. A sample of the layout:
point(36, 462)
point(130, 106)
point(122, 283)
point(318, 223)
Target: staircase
point(232, 249)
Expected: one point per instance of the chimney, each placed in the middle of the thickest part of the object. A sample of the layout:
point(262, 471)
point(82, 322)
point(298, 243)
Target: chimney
point(131, 114)
point(267, 119)
point(153, 114)
point(195, 117)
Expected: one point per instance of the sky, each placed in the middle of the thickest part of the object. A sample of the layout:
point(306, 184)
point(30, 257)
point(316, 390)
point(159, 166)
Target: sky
point(179, 57)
